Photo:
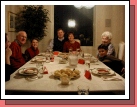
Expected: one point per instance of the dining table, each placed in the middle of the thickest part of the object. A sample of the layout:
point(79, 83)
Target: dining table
point(46, 83)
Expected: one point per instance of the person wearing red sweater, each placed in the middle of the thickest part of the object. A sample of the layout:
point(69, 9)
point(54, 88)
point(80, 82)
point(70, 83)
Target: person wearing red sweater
point(71, 43)
point(33, 50)
point(17, 59)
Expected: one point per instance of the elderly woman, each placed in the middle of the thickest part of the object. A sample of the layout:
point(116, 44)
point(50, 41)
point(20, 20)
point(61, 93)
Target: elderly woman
point(32, 50)
point(106, 40)
point(71, 43)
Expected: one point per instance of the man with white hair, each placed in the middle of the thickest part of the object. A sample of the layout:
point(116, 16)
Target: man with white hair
point(17, 59)
point(106, 40)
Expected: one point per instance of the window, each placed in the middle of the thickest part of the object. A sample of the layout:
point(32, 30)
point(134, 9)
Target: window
point(81, 22)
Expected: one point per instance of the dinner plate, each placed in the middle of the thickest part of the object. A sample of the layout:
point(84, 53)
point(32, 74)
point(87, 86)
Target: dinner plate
point(41, 54)
point(106, 71)
point(62, 61)
point(38, 59)
point(63, 54)
point(28, 71)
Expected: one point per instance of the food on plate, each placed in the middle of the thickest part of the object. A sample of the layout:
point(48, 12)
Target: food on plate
point(67, 73)
point(29, 71)
point(103, 71)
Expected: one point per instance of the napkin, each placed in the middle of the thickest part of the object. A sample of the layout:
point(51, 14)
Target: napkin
point(45, 71)
point(55, 52)
point(111, 79)
point(81, 61)
point(88, 74)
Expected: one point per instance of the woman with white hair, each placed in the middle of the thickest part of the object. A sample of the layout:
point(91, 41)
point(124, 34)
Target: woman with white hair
point(106, 40)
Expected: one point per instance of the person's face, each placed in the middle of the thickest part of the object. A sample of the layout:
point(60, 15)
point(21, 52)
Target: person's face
point(60, 34)
point(71, 37)
point(34, 43)
point(7, 44)
point(102, 52)
point(22, 38)
point(105, 40)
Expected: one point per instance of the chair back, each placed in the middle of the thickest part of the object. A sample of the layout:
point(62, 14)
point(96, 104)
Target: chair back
point(121, 50)
point(78, 41)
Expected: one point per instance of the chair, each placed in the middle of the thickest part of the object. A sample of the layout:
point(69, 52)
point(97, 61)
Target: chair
point(121, 50)
point(78, 41)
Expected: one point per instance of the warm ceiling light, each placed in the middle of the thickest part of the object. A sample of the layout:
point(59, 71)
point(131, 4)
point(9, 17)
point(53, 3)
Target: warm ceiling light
point(71, 23)
point(86, 6)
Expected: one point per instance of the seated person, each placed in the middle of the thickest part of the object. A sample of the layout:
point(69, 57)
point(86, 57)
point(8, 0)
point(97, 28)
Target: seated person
point(8, 53)
point(114, 63)
point(106, 40)
point(17, 60)
point(59, 41)
point(32, 50)
point(71, 43)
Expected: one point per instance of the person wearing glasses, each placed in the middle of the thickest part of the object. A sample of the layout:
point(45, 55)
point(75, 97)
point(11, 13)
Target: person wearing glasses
point(17, 59)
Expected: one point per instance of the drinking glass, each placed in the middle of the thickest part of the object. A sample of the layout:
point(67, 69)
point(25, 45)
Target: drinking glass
point(78, 51)
point(70, 50)
point(83, 90)
point(87, 61)
point(39, 66)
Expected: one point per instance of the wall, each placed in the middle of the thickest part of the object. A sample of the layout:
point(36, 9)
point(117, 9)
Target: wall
point(50, 26)
point(116, 13)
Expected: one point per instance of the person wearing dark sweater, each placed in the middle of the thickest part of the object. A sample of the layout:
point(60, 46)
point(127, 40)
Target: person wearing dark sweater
point(8, 53)
point(17, 59)
point(71, 43)
point(32, 51)
point(59, 41)
point(114, 63)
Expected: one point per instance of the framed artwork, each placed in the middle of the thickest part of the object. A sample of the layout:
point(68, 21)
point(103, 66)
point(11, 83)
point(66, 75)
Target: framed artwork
point(11, 21)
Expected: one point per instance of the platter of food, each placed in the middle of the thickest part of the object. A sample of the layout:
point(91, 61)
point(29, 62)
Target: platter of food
point(72, 74)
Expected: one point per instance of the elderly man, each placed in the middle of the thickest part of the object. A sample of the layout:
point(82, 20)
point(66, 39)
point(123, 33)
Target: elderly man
point(17, 59)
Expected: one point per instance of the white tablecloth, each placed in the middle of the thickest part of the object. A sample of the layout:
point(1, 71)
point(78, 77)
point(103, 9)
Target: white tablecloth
point(47, 84)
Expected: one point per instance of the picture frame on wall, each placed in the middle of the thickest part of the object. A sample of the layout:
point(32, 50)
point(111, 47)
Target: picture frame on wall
point(11, 21)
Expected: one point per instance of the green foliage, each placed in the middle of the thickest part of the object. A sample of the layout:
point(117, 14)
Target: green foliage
point(33, 20)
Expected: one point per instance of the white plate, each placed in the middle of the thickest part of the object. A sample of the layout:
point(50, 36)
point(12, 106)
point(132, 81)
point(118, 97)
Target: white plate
point(23, 70)
point(62, 61)
point(38, 59)
point(41, 54)
point(95, 71)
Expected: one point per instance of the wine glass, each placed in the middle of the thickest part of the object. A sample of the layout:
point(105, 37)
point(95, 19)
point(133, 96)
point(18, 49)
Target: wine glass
point(78, 51)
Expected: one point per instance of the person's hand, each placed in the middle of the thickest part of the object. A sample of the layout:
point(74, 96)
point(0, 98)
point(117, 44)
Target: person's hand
point(8, 52)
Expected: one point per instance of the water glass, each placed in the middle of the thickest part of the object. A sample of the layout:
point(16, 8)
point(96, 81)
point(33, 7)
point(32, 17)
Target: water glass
point(78, 51)
point(39, 64)
point(83, 90)
point(70, 50)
